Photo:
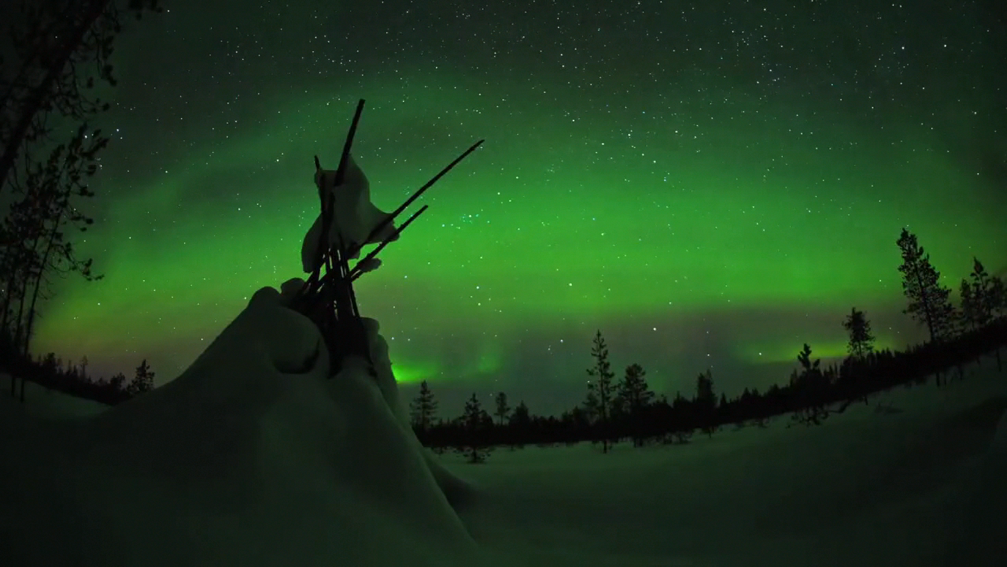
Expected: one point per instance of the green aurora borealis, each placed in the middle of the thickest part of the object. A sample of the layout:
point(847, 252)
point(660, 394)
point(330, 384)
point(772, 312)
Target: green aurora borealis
point(710, 185)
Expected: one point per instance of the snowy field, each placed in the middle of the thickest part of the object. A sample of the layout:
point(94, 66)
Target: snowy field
point(919, 484)
point(260, 466)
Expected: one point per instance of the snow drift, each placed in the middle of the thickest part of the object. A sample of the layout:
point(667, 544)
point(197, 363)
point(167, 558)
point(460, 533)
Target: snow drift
point(250, 457)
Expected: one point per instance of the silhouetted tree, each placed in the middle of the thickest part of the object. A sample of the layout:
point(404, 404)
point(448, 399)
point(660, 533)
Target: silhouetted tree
point(968, 309)
point(684, 421)
point(633, 389)
point(519, 424)
point(982, 291)
point(861, 341)
point(143, 380)
point(117, 382)
point(474, 422)
point(601, 391)
point(58, 49)
point(811, 386)
point(995, 304)
point(636, 397)
point(705, 402)
point(997, 297)
point(502, 408)
point(520, 416)
point(83, 367)
point(929, 301)
point(49, 191)
point(423, 408)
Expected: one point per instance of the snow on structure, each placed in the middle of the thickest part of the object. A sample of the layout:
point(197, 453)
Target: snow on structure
point(355, 216)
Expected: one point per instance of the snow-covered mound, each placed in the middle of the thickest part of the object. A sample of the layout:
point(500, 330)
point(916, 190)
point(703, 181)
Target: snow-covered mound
point(43, 402)
point(251, 457)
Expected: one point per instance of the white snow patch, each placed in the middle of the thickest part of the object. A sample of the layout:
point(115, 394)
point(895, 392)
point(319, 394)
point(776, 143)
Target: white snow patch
point(354, 218)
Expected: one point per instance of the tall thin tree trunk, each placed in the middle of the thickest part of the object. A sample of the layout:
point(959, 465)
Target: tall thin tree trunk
point(20, 310)
point(926, 308)
point(38, 279)
point(7, 299)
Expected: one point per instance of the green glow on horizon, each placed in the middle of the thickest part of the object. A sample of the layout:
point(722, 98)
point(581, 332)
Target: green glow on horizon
point(687, 205)
point(787, 352)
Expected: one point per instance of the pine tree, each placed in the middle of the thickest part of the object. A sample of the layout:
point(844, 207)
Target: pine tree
point(600, 392)
point(117, 382)
point(861, 341)
point(997, 297)
point(502, 408)
point(636, 398)
point(633, 389)
point(423, 408)
point(811, 386)
point(996, 303)
point(519, 424)
point(83, 369)
point(929, 301)
point(143, 380)
point(706, 401)
point(968, 309)
point(473, 424)
point(982, 292)
point(683, 420)
point(520, 416)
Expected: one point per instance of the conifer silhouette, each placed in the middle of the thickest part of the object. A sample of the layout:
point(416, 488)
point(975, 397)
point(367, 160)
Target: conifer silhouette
point(929, 301)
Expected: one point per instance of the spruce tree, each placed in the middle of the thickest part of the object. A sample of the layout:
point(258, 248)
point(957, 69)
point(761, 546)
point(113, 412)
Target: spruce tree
point(143, 380)
point(812, 388)
point(636, 397)
point(982, 294)
point(861, 341)
point(929, 301)
point(995, 305)
point(969, 306)
point(997, 297)
point(473, 425)
point(423, 408)
point(520, 417)
point(601, 391)
point(502, 408)
point(706, 402)
point(519, 424)
point(633, 389)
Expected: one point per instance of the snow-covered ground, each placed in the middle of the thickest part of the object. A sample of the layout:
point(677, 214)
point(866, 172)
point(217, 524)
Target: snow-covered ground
point(249, 459)
point(921, 484)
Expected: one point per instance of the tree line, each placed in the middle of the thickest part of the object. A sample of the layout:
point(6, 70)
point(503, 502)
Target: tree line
point(73, 379)
point(628, 409)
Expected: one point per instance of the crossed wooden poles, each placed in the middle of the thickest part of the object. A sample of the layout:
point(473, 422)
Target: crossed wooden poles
point(328, 299)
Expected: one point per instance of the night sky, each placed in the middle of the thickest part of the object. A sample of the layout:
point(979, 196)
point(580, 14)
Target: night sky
point(710, 184)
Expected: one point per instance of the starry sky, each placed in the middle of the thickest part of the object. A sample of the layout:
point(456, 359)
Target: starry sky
point(711, 184)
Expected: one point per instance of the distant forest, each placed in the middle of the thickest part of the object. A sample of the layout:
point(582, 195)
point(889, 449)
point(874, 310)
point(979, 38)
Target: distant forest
point(627, 409)
point(612, 411)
